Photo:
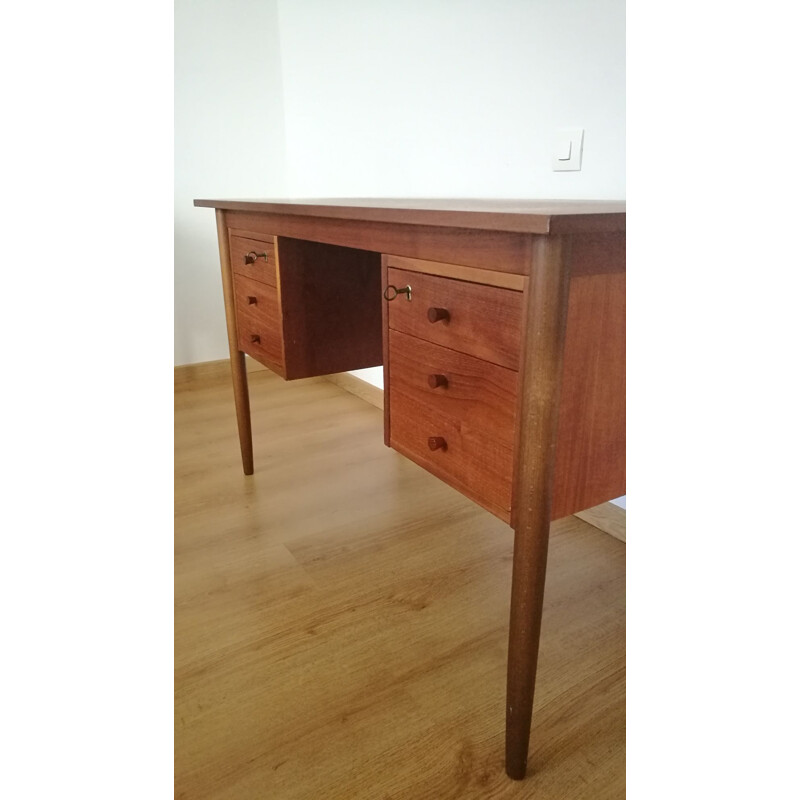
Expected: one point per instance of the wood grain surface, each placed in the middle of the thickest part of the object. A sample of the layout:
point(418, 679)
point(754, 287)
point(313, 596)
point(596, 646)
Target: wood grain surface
point(484, 321)
point(473, 411)
point(521, 216)
point(534, 459)
point(331, 304)
point(258, 315)
point(488, 277)
point(497, 250)
point(590, 460)
point(237, 365)
point(261, 269)
point(341, 619)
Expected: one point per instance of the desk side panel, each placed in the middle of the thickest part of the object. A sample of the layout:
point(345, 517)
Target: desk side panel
point(590, 450)
point(597, 253)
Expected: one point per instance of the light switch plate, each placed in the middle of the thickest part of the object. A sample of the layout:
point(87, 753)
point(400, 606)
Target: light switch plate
point(568, 150)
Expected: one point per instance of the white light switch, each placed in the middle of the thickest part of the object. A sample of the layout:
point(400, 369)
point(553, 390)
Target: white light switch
point(568, 150)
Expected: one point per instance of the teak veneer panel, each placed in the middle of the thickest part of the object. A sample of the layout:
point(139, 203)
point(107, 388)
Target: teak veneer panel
point(331, 300)
point(480, 394)
point(473, 411)
point(488, 277)
point(596, 253)
point(260, 269)
point(260, 318)
point(484, 321)
point(590, 454)
point(520, 216)
point(476, 464)
point(499, 250)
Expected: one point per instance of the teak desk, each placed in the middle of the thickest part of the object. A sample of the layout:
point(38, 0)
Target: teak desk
point(501, 329)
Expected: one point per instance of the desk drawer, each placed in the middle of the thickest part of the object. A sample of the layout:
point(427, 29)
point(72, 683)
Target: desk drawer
point(466, 405)
point(482, 321)
point(254, 259)
point(481, 395)
point(258, 321)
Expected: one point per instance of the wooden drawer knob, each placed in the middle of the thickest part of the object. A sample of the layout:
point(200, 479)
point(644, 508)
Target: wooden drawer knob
point(437, 443)
point(437, 380)
point(251, 301)
point(437, 314)
point(255, 338)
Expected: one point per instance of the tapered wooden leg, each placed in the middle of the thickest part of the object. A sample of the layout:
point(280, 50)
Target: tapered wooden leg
point(238, 370)
point(547, 295)
point(527, 593)
point(241, 397)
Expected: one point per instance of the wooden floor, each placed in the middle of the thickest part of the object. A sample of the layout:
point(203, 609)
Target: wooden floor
point(341, 619)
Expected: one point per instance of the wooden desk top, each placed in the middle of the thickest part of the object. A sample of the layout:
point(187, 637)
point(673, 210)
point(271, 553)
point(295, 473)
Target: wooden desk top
point(518, 216)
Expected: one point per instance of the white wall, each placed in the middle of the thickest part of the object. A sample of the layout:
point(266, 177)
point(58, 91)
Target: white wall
point(456, 98)
point(229, 142)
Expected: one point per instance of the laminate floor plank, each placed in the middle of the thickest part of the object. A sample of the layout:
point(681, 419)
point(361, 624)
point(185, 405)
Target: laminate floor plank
point(341, 619)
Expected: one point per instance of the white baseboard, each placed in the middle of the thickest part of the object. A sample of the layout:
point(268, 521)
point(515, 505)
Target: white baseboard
point(366, 391)
point(608, 517)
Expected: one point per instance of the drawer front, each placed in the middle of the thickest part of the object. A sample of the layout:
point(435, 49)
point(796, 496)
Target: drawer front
point(476, 465)
point(258, 321)
point(254, 259)
point(469, 415)
point(482, 321)
point(479, 394)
